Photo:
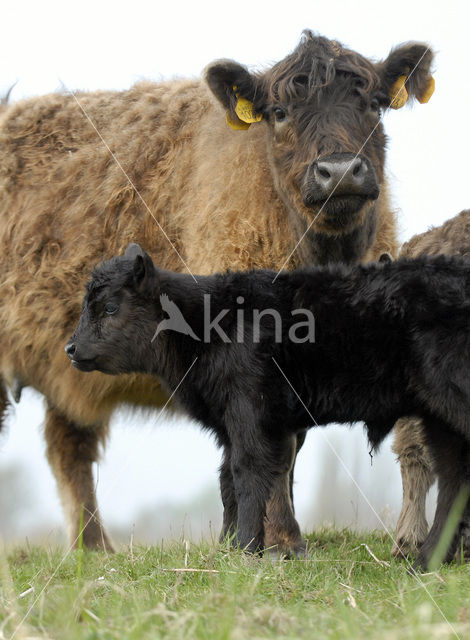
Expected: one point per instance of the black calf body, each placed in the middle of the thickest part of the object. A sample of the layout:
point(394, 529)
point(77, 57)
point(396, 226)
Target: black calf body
point(391, 339)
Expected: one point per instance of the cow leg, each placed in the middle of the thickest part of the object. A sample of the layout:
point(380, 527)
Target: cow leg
point(417, 477)
point(3, 402)
point(282, 531)
point(227, 492)
point(71, 451)
point(463, 536)
point(450, 456)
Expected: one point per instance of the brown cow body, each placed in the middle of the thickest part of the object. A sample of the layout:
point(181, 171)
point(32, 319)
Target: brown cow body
point(451, 238)
point(225, 199)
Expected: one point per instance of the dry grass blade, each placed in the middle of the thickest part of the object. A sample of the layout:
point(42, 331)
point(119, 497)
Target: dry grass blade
point(382, 563)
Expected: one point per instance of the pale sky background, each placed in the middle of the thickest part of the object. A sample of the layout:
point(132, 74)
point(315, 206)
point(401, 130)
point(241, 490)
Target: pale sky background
point(110, 45)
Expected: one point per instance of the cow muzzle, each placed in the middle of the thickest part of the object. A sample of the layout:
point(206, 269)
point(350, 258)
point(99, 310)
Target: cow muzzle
point(340, 183)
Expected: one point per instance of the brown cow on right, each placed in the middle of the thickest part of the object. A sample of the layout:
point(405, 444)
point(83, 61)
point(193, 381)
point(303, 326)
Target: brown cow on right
point(298, 179)
point(451, 238)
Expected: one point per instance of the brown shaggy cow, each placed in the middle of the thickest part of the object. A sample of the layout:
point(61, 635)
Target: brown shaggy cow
point(451, 238)
point(310, 168)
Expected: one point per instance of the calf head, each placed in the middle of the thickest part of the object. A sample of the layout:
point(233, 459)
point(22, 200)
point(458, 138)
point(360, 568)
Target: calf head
point(322, 107)
point(114, 331)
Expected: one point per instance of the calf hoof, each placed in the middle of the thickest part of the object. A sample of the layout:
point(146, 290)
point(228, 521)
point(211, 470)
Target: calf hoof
point(287, 541)
point(275, 556)
point(253, 548)
point(289, 552)
point(227, 536)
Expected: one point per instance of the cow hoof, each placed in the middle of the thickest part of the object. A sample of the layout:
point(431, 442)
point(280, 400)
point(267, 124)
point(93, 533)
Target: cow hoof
point(462, 555)
point(416, 568)
point(463, 550)
point(96, 540)
point(403, 548)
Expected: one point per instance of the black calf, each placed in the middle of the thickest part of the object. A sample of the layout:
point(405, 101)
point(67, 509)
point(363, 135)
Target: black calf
point(369, 343)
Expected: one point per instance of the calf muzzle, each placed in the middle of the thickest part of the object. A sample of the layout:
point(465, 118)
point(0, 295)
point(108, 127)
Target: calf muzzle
point(77, 359)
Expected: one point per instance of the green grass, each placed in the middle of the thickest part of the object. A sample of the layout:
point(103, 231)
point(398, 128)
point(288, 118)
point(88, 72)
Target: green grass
point(348, 588)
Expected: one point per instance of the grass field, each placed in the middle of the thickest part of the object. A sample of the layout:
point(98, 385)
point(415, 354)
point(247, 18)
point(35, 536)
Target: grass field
point(348, 588)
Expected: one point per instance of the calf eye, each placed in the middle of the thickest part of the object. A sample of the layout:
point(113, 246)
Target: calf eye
point(279, 114)
point(110, 308)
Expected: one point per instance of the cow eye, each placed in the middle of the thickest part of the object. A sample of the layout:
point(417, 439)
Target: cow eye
point(279, 114)
point(375, 105)
point(301, 80)
point(110, 308)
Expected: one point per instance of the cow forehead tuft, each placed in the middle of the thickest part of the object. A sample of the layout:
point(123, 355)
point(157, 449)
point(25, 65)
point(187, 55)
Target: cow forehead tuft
point(320, 61)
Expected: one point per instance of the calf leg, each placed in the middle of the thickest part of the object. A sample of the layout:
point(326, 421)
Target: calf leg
point(71, 451)
point(282, 531)
point(256, 470)
point(450, 456)
point(253, 481)
point(417, 476)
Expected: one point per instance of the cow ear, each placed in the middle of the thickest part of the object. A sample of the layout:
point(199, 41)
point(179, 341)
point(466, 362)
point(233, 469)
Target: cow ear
point(237, 90)
point(386, 257)
point(143, 271)
point(406, 73)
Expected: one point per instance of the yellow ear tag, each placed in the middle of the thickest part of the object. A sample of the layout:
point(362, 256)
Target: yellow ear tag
point(237, 124)
point(426, 96)
point(245, 111)
point(398, 93)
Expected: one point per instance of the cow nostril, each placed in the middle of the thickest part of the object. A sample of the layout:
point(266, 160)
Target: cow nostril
point(357, 167)
point(70, 349)
point(323, 173)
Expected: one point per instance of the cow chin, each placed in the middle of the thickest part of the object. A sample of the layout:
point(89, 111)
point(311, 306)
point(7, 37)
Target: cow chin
point(339, 215)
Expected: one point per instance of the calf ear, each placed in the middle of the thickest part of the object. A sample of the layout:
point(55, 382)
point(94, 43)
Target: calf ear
point(406, 73)
point(133, 250)
point(143, 270)
point(237, 90)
